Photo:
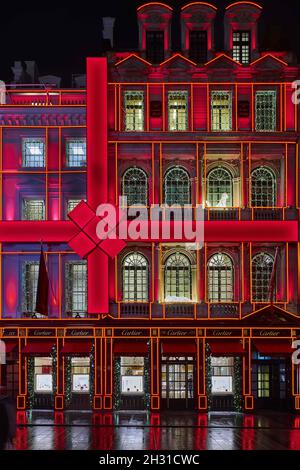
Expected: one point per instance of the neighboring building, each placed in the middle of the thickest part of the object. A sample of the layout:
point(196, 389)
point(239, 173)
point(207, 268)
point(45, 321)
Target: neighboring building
point(161, 325)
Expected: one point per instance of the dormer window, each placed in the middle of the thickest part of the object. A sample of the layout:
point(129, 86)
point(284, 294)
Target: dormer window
point(198, 46)
point(155, 47)
point(241, 46)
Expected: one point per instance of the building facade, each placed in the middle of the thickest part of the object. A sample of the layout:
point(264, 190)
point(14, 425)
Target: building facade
point(156, 323)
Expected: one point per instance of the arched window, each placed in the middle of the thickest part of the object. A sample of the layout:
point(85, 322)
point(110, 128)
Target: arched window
point(135, 186)
point(178, 278)
point(219, 188)
point(262, 266)
point(263, 187)
point(220, 278)
point(177, 186)
point(135, 278)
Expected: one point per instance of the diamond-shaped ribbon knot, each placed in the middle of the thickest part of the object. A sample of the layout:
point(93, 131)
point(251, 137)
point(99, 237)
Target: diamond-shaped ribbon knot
point(86, 240)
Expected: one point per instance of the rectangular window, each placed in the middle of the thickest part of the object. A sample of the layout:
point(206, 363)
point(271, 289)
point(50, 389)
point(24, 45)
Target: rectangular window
point(241, 46)
point(43, 382)
point(29, 285)
point(71, 204)
point(263, 381)
point(178, 110)
point(33, 209)
point(265, 110)
point(155, 53)
point(132, 375)
point(222, 375)
point(134, 110)
point(76, 288)
point(33, 153)
point(221, 111)
point(76, 152)
point(198, 46)
point(80, 370)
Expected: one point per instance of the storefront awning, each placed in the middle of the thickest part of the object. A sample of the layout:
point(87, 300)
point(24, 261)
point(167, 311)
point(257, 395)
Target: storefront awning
point(10, 346)
point(184, 348)
point(77, 347)
point(226, 347)
point(38, 348)
point(131, 348)
point(273, 347)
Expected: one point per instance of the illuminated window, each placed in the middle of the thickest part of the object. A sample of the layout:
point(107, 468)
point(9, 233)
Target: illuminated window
point(263, 187)
point(178, 278)
point(33, 153)
point(135, 278)
point(222, 375)
point(265, 110)
point(76, 152)
point(135, 186)
point(155, 46)
point(262, 266)
point(132, 375)
point(263, 381)
point(220, 278)
point(198, 46)
point(241, 46)
point(30, 274)
point(221, 111)
point(76, 288)
point(33, 209)
point(134, 110)
point(178, 110)
point(177, 186)
point(219, 188)
point(43, 379)
point(80, 372)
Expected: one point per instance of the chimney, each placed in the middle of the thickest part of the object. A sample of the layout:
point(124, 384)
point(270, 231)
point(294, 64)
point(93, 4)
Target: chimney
point(108, 30)
point(24, 72)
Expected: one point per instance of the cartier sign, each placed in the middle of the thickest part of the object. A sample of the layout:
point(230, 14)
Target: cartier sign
point(178, 333)
point(79, 332)
point(127, 332)
point(42, 332)
point(223, 333)
point(10, 332)
point(271, 333)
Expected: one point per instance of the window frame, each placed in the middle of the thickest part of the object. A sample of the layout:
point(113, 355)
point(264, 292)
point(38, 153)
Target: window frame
point(215, 284)
point(219, 108)
point(265, 281)
point(179, 120)
point(240, 43)
point(211, 191)
point(186, 278)
point(273, 117)
point(28, 140)
point(138, 124)
point(173, 191)
point(141, 277)
point(69, 290)
point(25, 208)
point(200, 54)
point(73, 163)
point(261, 191)
point(133, 192)
point(29, 286)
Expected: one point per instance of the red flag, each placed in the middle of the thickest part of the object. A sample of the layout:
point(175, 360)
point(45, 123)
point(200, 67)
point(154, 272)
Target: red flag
point(42, 292)
point(273, 276)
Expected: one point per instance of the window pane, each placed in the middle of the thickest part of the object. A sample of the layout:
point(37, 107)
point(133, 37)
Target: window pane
point(265, 110)
point(178, 278)
point(30, 280)
point(76, 152)
point(135, 186)
point(220, 278)
point(33, 153)
point(134, 110)
point(241, 46)
point(219, 188)
point(263, 187)
point(262, 266)
point(76, 288)
point(221, 111)
point(135, 278)
point(33, 209)
point(178, 110)
point(177, 186)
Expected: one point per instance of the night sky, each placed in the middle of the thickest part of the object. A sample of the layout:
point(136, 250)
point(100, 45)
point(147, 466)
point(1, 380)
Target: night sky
point(59, 36)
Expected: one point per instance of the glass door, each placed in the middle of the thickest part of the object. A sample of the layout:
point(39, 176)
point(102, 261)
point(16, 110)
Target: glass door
point(177, 382)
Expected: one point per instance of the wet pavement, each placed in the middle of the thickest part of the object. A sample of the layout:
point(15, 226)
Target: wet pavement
point(157, 431)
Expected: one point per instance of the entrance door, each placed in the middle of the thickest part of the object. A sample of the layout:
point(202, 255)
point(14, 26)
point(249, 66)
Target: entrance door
point(177, 382)
point(271, 383)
